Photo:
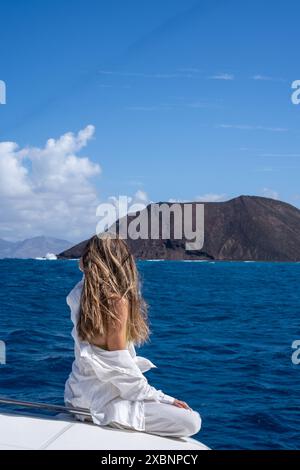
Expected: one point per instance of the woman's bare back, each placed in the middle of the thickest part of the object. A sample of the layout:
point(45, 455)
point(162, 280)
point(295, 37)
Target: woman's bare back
point(116, 337)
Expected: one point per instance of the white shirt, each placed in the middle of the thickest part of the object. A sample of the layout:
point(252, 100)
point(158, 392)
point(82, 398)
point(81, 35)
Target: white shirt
point(110, 384)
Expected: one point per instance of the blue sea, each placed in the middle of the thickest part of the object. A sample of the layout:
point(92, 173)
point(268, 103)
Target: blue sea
point(221, 338)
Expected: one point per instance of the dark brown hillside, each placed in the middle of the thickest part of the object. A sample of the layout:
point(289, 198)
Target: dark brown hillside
point(244, 228)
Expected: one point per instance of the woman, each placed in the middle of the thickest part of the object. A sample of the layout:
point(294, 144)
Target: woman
point(109, 317)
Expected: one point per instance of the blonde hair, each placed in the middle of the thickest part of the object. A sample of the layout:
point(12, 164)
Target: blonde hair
point(110, 274)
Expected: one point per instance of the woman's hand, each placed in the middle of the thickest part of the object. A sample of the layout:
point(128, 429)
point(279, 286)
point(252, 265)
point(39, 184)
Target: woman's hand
point(181, 404)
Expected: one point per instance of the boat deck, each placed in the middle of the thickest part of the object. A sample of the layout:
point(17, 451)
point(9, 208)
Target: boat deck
point(64, 432)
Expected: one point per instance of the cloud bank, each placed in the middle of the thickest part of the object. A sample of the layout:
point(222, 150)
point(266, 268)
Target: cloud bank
point(48, 190)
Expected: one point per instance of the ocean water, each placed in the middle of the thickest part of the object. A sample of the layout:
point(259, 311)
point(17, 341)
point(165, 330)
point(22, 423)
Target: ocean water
point(221, 338)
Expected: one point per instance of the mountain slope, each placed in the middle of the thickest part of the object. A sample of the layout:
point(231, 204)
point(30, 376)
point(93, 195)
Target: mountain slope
point(32, 247)
point(244, 228)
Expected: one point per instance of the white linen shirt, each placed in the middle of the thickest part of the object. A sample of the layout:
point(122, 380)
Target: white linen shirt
point(110, 384)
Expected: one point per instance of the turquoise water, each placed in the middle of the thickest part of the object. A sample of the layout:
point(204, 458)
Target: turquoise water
point(221, 338)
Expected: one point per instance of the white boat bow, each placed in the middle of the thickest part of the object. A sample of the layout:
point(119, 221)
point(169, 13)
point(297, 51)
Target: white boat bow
point(64, 432)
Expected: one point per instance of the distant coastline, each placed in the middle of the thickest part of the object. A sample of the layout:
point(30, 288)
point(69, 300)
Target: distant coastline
point(247, 228)
point(37, 247)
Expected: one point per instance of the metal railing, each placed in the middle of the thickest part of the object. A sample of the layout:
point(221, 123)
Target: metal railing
point(45, 406)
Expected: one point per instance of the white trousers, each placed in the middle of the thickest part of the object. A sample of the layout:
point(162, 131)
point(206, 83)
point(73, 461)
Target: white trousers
point(169, 420)
point(165, 419)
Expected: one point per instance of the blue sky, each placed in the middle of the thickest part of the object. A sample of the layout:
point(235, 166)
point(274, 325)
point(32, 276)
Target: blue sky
point(188, 99)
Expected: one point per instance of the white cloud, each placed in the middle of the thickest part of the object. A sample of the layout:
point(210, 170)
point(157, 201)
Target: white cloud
point(266, 78)
point(261, 77)
point(124, 204)
point(177, 201)
point(203, 105)
point(246, 127)
point(266, 169)
point(157, 75)
point(48, 190)
point(13, 175)
point(135, 182)
point(281, 155)
point(159, 107)
point(174, 106)
point(211, 197)
point(190, 70)
point(222, 76)
point(141, 196)
point(270, 193)
point(207, 197)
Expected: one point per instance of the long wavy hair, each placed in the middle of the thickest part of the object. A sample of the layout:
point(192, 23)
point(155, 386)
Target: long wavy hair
point(110, 274)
